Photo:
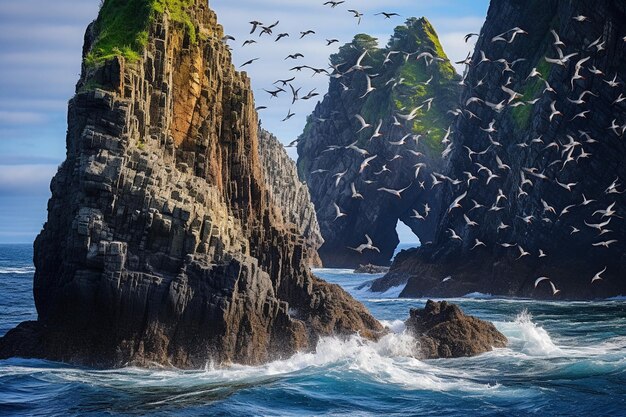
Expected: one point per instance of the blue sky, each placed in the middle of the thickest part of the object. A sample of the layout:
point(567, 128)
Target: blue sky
point(40, 48)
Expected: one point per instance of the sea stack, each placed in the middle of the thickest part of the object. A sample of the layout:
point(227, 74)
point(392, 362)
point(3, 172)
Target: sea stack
point(164, 244)
point(547, 149)
point(348, 164)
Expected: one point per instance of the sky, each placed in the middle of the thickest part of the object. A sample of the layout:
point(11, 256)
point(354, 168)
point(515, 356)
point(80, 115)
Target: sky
point(40, 52)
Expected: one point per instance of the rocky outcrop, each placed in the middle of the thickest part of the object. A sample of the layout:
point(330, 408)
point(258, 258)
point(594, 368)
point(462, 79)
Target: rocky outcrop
point(443, 331)
point(371, 269)
point(289, 194)
point(412, 71)
point(559, 161)
point(163, 243)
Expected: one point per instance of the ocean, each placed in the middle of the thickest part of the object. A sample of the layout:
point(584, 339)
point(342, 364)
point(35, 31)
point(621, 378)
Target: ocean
point(564, 359)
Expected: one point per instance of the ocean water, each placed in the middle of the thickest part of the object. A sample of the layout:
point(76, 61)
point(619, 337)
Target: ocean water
point(563, 359)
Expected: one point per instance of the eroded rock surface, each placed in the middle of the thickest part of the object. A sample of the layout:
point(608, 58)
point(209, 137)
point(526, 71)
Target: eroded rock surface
point(443, 331)
point(289, 194)
point(163, 242)
point(429, 88)
point(545, 214)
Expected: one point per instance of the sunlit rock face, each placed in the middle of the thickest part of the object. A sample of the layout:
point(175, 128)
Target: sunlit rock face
point(408, 150)
point(164, 244)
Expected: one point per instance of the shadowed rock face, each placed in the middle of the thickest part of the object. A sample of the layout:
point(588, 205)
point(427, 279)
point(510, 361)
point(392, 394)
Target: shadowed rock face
point(163, 242)
point(289, 194)
point(443, 331)
point(403, 84)
point(572, 259)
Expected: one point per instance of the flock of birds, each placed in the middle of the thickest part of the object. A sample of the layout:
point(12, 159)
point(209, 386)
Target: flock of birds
point(272, 32)
point(488, 168)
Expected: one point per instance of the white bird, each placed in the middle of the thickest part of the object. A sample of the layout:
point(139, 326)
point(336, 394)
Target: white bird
point(554, 290)
point(368, 245)
point(522, 252)
point(598, 276)
point(606, 244)
point(455, 203)
point(557, 39)
point(469, 222)
point(397, 193)
point(377, 133)
point(501, 165)
point(426, 210)
point(586, 201)
point(446, 279)
point(338, 212)
point(339, 176)
point(542, 254)
point(366, 162)
point(502, 226)
point(574, 230)
point(599, 226)
point(608, 212)
point(453, 235)
point(369, 86)
point(417, 215)
point(555, 112)
point(491, 128)
point(477, 244)
point(580, 18)
point(547, 207)
point(540, 279)
point(353, 146)
point(364, 124)
point(355, 193)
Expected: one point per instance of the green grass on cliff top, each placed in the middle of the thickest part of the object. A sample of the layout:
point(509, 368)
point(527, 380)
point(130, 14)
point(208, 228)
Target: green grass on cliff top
point(122, 27)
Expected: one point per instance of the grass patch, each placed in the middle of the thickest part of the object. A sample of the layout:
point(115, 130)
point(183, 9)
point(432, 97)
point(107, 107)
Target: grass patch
point(122, 27)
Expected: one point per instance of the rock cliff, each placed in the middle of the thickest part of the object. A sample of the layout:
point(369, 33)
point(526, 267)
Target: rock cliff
point(414, 87)
point(546, 86)
point(163, 242)
point(289, 194)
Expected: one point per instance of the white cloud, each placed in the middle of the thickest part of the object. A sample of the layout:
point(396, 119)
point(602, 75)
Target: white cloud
point(26, 179)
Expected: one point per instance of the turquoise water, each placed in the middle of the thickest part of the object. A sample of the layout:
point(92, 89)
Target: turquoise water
point(563, 359)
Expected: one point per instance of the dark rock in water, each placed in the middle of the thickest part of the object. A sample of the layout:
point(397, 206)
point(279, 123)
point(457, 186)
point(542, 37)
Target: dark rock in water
point(443, 331)
point(163, 242)
point(289, 194)
point(371, 269)
point(330, 145)
point(545, 214)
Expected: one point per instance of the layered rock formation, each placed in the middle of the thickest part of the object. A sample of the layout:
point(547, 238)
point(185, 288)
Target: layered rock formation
point(555, 141)
point(163, 243)
point(289, 194)
point(414, 76)
point(443, 331)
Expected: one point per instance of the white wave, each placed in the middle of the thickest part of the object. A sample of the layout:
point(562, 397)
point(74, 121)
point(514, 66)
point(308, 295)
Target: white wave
point(387, 361)
point(396, 326)
point(393, 292)
point(478, 295)
point(531, 339)
point(617, 298)
point(17, 270)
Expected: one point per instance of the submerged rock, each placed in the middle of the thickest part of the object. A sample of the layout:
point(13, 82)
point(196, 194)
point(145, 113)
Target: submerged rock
point(334, 143)
point(164, 244)
point(371, 269)
point(546, 211)
point(443, 331)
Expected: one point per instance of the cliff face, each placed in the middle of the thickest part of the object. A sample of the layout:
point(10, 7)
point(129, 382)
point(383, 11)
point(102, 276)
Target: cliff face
point(561, 152)
point(163, 243)
point(405, 81)
point(289, 194)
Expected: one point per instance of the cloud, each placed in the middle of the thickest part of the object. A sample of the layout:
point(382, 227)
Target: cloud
point(21, 117)
point(328, 23)
point(26, 180)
